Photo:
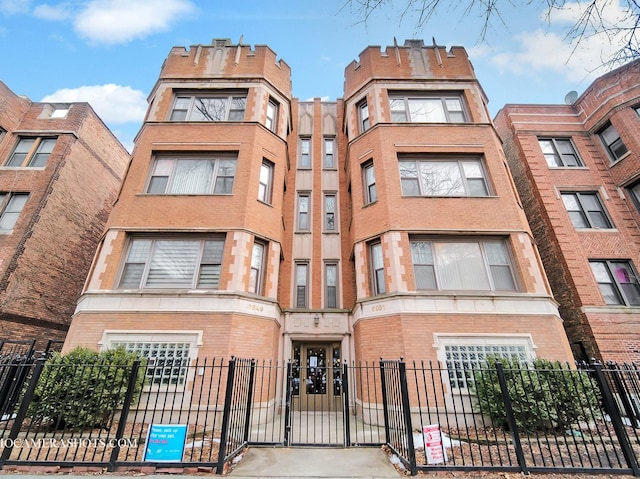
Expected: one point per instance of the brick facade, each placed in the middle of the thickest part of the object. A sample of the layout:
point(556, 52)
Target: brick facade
point(46, 255)
point(318, 226)
point(596, 327)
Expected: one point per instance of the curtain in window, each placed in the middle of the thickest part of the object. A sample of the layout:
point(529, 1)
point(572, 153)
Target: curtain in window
point(460, 266)
point(192, 176)
point(173, 264)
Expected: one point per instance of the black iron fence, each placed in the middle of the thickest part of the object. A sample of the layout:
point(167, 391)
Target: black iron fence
point(501, 417)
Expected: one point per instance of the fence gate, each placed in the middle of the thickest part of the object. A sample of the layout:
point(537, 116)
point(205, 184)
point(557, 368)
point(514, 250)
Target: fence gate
point(14, 355)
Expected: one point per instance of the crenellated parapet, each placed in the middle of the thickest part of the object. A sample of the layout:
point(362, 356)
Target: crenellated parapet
point(222, 59)
point(412, 61)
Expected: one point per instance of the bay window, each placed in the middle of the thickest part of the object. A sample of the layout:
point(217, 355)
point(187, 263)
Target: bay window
point(193, 175)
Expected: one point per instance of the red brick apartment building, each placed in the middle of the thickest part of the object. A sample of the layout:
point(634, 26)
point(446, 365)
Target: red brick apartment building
point(577, 169)
point(384, 224)
point(60, 171)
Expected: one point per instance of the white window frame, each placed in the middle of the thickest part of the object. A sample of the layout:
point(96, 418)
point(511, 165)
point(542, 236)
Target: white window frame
point(166, 170)
point(265, 185)
point(303, 217)
point(376, 263)
point(420, 176)
point(272, 115)
point(369, 183)
point(190, 104)
point(258, 262)
point(427, 260)
point(143, 252)
point(560, 152)
point(327, 266)
point(11, 206)
point(36, 154)
point(331, 212)
point(363, 116)
point(458, 378)
point(405, 107)
point(305, 153)
point(192, 338)
point(329, 158)
point(301, 285)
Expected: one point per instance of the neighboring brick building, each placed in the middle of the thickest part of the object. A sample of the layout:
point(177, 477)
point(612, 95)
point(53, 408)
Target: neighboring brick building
point(577, 169)
point(60, 171)
point(383, 224)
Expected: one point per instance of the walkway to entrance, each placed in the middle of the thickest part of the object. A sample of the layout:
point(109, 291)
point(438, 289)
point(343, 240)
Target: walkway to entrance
point(314, 462)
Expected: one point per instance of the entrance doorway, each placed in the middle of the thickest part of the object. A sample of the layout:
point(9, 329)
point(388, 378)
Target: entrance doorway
point(317, 376)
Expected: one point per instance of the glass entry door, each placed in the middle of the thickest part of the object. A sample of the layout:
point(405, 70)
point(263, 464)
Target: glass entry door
point(317, 383)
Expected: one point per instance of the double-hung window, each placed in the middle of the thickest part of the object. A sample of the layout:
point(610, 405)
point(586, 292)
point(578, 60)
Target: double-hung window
point(612, 142)
point(329, 162)
point(369, 179)
point(330, 212)
point(272, 115)
point(559, 152)
point(586, 210)
point(193, 175)
point(443, 177)
point(31, 152)
point(173, 263)
point(223, 106)
point(11, 205)
point(303, 212)
point(302, 285)
point(618, 281)
point(305, 154)
point(432, 108)
point(331, 285)
point(363, 116)
point(634, 191)
point(462, 265)
point(265, 187)
point(256, 278)
point(376, 259)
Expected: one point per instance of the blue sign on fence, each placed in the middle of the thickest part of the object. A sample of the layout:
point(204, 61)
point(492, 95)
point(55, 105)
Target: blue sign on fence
point(165, 442)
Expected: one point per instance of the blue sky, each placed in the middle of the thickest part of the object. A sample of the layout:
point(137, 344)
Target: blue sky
point(109, 52)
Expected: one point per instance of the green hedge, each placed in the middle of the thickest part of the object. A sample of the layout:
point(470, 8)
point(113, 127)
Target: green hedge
point(545, 395)
point(83, 388)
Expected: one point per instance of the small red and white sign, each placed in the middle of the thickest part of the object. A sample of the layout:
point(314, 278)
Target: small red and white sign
point(436, 454)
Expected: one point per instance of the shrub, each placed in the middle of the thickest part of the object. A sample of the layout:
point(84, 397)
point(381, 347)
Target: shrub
point(83, 388)
point(545, 395)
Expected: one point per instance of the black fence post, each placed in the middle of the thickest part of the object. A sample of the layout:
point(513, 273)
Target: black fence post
point(226, 416)
point(385, 406)
point(287, 403)
point(406, 407)
point(345, 404)
point(22, 411)
point(623, 392)
point(247, 419)
point(126, 406)
point(612, 410)
point(511, 420)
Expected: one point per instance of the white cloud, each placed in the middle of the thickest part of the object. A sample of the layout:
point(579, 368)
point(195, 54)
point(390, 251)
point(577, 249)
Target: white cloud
point(575, 59)
point(14, 6)
point(113, 103)
point(49, 12)
point(120, 21)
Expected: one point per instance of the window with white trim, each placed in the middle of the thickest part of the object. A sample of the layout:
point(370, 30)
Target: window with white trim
point(11, 205)
point(302, 285)
point(330, 212)
point(463, 359)
point(256, 277)
point(303, 212)
point(272, 115)
point(173, 263)
point(559, 152)
point(331, 285)
point(612, 142)
point(32, 152)
point(329, 162)
point(376, 261)
point(369, 180)
point(363, 116)
point(265, 187)
point(305, 154)
point(193, 175)
point(586, 210)
point(222, 106)
point(462, 264)
point(422, 108)
point(167, 362)
point(443, 176)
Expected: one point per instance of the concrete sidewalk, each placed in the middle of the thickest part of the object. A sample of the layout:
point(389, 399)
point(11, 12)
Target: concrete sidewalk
point(355, 462)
